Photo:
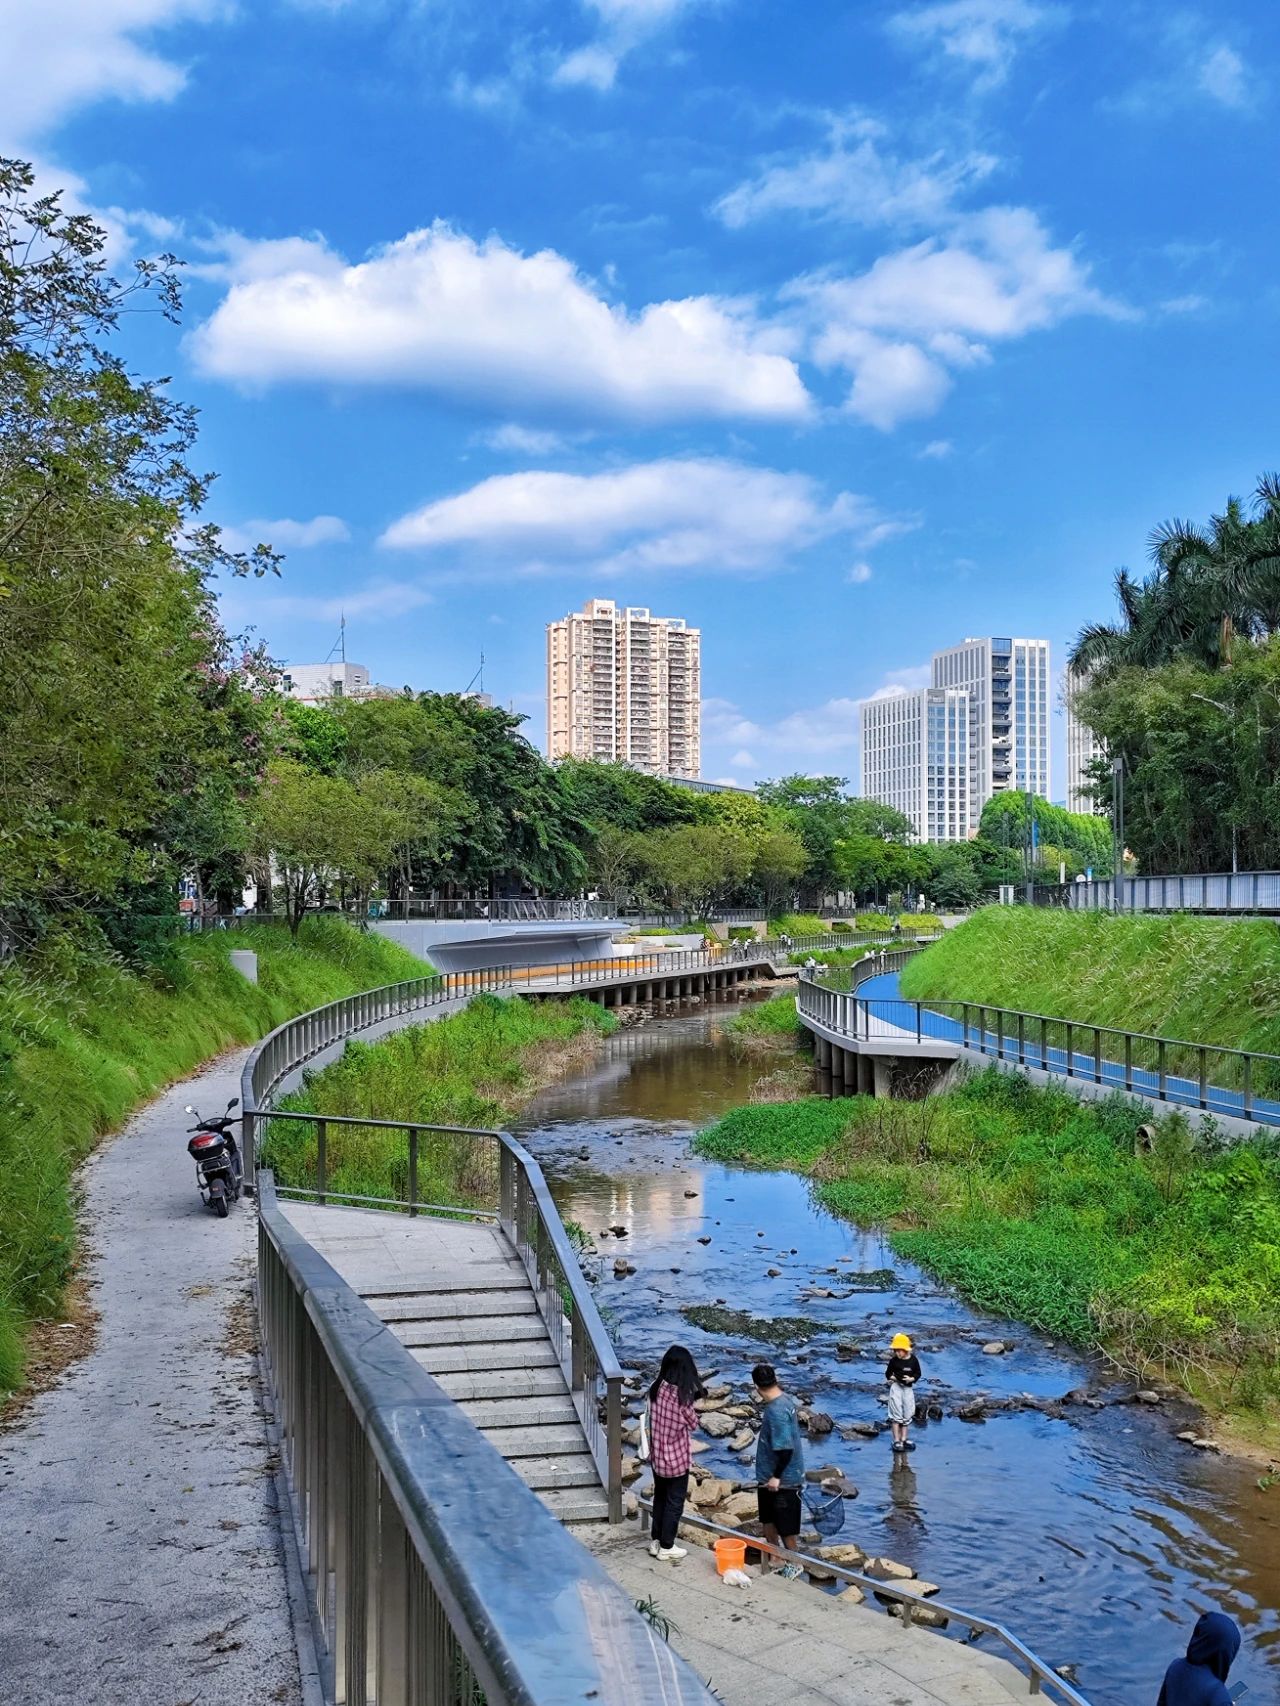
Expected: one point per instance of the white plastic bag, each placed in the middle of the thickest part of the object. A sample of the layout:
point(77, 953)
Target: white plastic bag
point(644, 1446)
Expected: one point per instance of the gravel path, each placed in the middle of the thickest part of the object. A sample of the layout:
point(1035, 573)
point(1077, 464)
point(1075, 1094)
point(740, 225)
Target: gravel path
point(140, 1550)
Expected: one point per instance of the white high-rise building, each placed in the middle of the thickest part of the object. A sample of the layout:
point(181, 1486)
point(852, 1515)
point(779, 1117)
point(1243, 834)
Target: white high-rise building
point(1008, 684)
point(915, 756)
point(625, 686)
point(1083, 747)
point(317, 683)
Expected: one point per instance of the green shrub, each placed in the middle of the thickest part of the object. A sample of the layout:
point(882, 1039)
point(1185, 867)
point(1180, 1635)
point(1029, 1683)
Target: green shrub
point(84, 1041)
point(798, 924)
point(1037, 1205)
point(772, 1019)
point(474, 1069)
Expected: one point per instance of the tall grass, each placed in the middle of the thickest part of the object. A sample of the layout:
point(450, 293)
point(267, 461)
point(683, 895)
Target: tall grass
point(1051, 1210)
point(1205, 980)
point(474, 1068)
point(772, 1021)
point(84, 1041)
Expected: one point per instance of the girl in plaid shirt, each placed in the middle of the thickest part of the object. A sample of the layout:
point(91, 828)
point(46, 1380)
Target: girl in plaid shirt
point(672, 1419)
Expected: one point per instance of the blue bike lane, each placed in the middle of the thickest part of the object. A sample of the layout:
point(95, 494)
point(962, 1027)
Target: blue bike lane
point(884, 1001)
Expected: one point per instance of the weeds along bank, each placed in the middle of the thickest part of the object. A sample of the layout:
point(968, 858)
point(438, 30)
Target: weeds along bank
point(1204, 980)
point(475, 1068)
point(85, 1040)
point(1051, 1210)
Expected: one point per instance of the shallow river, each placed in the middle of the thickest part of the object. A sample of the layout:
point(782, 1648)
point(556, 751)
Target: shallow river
point(1097, 1539)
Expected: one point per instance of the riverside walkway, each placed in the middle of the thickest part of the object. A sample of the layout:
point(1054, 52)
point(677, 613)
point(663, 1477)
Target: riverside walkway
point(149, 1555)
point(877, 1020)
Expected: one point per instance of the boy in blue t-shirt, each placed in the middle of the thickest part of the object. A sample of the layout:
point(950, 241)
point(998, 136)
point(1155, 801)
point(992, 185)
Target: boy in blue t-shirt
point(779, 1464)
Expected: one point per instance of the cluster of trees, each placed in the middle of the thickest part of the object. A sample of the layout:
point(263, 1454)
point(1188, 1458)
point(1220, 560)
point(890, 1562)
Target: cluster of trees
point(132, 729)
point(1184, 689)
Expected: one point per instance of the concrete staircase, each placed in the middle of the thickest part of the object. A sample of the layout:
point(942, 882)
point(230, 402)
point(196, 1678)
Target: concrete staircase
point(457, 1297)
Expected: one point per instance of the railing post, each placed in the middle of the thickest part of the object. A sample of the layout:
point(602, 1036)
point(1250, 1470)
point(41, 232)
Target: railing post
point(1164, 1076)
point(1097, 1055)
point(1022, 1039)
point(1128, 1060)
point(999, 1033)
point(413, 1169)
point(1248, 1086)
point(322, 1134)
point(1204, 1076)
point(613, 1436)
point(1071, 1053)
point(248, 1159)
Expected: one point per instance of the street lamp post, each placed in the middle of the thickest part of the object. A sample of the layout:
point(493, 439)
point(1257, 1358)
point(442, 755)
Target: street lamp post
point(1229, 712)
point(1117, 834)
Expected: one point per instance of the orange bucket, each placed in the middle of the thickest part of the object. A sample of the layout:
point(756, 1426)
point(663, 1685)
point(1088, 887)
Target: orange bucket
point(730, 1555)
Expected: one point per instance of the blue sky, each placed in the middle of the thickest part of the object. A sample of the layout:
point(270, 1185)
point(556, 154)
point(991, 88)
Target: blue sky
point(842, 330)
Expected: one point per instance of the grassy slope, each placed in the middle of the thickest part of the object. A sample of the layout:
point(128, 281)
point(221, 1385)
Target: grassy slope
point(475, 1068)
point(1197, 979)
point(83, 1043)
point(773, 1020)
point(1036, 1205)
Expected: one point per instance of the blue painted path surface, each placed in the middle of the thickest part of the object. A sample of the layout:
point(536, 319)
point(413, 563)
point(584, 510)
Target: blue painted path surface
point(883, 1000)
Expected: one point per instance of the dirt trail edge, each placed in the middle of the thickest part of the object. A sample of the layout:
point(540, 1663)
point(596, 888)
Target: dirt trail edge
point(141, 1557)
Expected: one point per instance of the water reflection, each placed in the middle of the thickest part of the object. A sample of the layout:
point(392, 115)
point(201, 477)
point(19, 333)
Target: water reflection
point(1099, 1538)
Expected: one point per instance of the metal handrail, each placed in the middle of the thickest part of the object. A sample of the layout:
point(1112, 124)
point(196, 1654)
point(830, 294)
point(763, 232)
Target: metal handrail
point(1041, 1672)
point(1178, 1071)
point(433, 1573)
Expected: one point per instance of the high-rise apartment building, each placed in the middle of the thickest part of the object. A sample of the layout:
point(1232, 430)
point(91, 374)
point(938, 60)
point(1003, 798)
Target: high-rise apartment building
point(625, 686)
point(915, 755)
point(1083, 747)
point(1007, 681)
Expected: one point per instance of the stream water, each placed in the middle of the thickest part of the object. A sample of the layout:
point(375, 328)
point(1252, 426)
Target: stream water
point(1098, 1539)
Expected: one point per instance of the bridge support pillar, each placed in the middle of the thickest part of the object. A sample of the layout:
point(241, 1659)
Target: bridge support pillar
point(865, 1076)
point(823, 1055)
point(882, 1076)
point(850, 1064)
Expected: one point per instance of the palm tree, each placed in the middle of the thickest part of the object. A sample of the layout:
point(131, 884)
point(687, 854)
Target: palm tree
point(1209, 585)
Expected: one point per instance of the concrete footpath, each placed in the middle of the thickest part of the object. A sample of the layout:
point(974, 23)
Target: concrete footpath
point(788, 1644)
point(140, 1551)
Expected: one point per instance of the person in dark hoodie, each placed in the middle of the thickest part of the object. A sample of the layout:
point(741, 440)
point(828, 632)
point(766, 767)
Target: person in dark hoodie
point(1201, 1678)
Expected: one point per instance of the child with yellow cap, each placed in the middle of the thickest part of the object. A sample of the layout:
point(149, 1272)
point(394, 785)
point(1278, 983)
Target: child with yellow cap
point(902, 1371)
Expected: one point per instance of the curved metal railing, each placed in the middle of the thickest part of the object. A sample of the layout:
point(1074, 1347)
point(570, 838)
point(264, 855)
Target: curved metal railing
point(435, 1576)
point(899, 1595)
point(1226, 1082)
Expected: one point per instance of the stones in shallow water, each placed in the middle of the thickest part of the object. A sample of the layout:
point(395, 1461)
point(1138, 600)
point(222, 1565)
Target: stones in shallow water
point(718, 1425)
point(736, 1323)
point(869, 1279)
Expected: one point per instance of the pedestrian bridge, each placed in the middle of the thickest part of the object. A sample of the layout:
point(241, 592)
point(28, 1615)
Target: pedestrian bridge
point(866, 1035)
point(448, 1403)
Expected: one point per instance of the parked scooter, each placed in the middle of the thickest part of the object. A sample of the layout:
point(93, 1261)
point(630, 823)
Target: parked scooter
point(219, 1169)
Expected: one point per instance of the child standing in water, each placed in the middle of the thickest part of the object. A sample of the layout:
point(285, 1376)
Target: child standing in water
point(902, 1371)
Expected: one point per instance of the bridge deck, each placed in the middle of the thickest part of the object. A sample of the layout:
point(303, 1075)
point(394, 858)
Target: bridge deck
point(457, 1296)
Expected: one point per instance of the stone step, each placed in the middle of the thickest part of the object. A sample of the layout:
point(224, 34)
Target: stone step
point(445, 1276)
point(469, 1330)
point(452, 1306)
point(506, 1383)
point(478, 1359)
point(577, 1504)
point(549, 1440)
point(522, 1413)
point(544, 1474)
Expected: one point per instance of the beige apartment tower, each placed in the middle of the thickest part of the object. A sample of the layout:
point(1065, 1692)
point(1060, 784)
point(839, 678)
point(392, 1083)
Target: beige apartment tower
point(624, 686)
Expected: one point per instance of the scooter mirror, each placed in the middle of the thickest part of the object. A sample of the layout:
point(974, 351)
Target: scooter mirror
point(233, 1103)
point(188, 1109)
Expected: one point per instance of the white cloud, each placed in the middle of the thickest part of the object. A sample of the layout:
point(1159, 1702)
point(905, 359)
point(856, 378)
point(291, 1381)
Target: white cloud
point(60, 55)
point(813, 731)
point(937, 449)
point(744, 761)
point(981, 36)
point(856, 178)
point(917, 314)
point(379, 600)
point(900, 681)
point(524, 441)
point(624, 26)
point(1225, 78)
point(491, 326)
point(1191, 65)
point(286, 535)
point(859, 574)
point(707, 514)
